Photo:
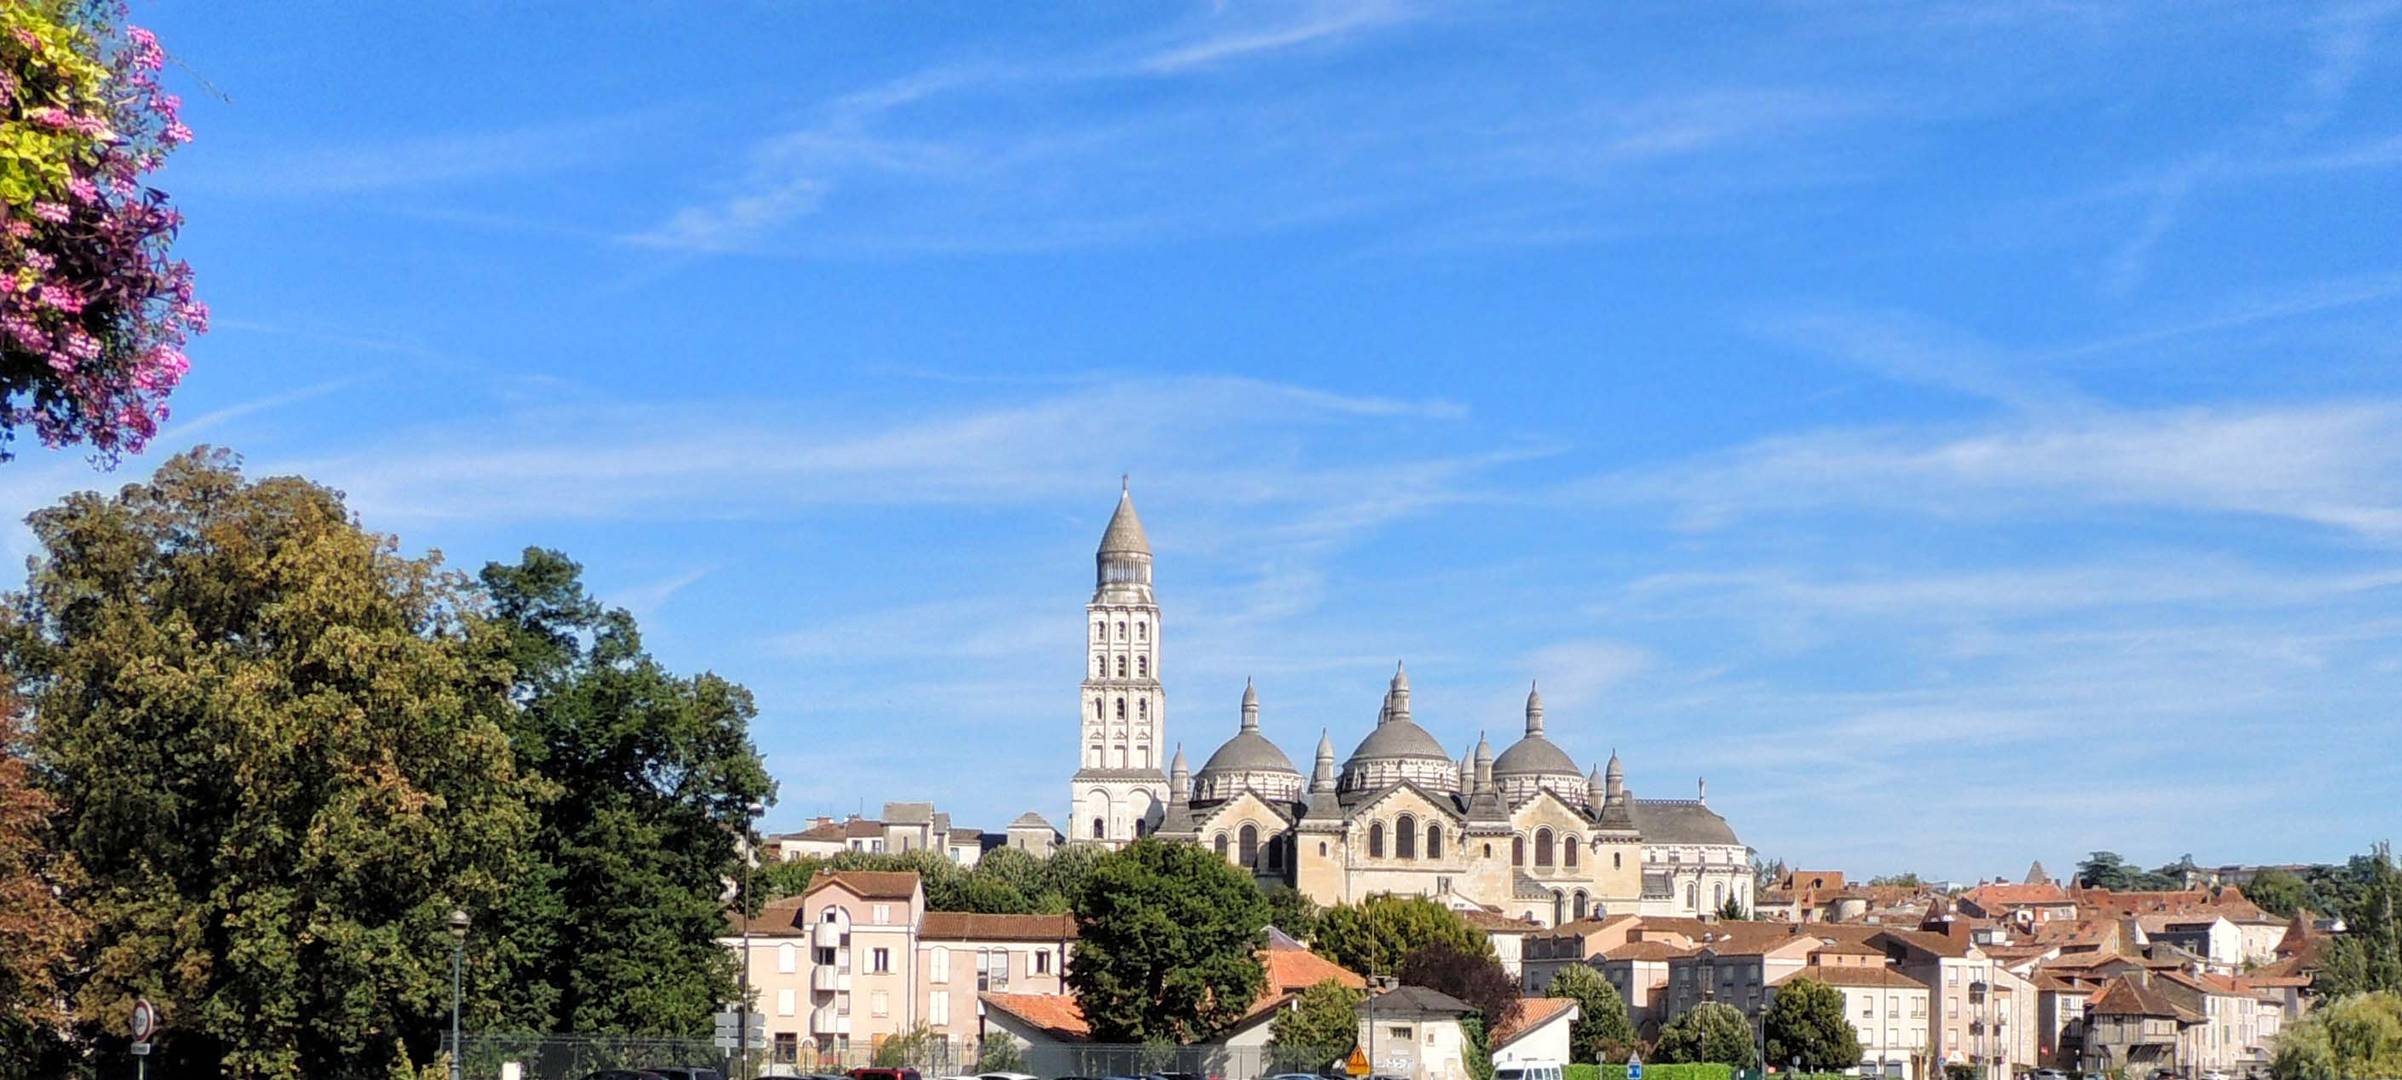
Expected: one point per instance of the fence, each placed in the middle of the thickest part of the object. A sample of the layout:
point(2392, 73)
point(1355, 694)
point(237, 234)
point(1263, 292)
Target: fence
point(570, 1057)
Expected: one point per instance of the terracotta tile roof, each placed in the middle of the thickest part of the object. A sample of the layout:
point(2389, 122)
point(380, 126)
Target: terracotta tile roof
point(777, 918)
point(869, 884)
point(1646, 950)
point(1533, 1013)
point(1057, 1014)
point(1928, 941)
point(1291, 971)
point(2127, 997)
point(1850, 948)
point(1852, 975)
point(1494, 922)
point(973, 926)
point(1995, 896)
point(829, 831)
point(862, 829)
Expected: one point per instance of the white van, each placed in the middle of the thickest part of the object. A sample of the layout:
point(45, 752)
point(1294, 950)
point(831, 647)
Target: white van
point(1534, 1069)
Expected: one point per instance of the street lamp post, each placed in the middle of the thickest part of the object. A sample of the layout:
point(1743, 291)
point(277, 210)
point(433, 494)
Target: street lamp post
point(458, 967)
point(742, 1022)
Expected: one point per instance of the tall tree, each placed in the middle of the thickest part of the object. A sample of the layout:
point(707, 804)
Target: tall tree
point(2367, 956)
point(42, 933)
point(1708, 1032)
point(1168, 939)
point(1293, 913)
point(2278, 892)
point(279, 754)
point(2354, 1036)
point(1602, 1032)
point(1372, 938)
point(1471, 975)
point(1806, 1022)
point(1322, 1026)
point(651, 776)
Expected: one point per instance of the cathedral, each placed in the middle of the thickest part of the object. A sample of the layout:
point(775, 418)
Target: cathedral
point(1522, 833)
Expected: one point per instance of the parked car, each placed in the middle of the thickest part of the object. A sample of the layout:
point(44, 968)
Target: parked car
point(2047, 1074)
point(1007, 1076)
point(621, 1074)
point(884, 1074)
point(685, 1072)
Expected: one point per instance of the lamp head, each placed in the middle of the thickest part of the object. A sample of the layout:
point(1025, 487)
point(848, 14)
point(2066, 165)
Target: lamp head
point(458, 923)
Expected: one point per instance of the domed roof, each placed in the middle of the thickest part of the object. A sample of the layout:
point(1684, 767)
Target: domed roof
point(1248, 751)
point(1400, 738)
point(1535, 755)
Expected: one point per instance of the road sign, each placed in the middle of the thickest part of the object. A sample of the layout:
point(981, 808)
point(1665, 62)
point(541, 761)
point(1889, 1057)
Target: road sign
point(145, 1019)
point(141, 1048)
point(1634, 1067)
point(1358, 1065)
point(729, 1022)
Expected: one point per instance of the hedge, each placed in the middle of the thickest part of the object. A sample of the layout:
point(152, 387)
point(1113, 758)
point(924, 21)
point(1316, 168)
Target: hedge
point(1652, 1072)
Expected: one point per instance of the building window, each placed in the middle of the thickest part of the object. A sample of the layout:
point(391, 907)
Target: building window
point(1692, 896)
point(1579, 907)
point(1097, 717)
point(1405, 837)
point(1542, 847)
point(938, 965)
point(1559, 907)
point(1617, 860)
point(1100, 631)
point(788, 1046)
point(1121, 631)
point(1376, 840)
point(1568, 852)
point(1276, 853)
point(1142, 708)
point(1142, 666)
point(1220, 844)
point(1718, 895)
point(1434, 841)
point(1142, 631)
point(1517, 851)
point(1099, 829)
point(1248, 845)
point(1121, 667)
point(1121, 710)
point(880, 961)
point(788, 958)
point(1042, 962)
point(1101, 667)
point(879, 1004)
point(785, 1003)
point(938, 1010)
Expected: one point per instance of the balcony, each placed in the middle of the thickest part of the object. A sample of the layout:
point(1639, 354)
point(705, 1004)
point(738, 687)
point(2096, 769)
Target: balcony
point(827, 935)
point(830, 978)
point(827, 1022)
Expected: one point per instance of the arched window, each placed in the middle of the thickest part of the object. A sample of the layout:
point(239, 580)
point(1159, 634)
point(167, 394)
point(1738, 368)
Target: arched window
point(1617, 860)
point(1579, 907)
point(1097, 709)
point(1092, 755)
point(1121, 631)
point(1693, 896)
point(1276, 853)
point(1100, 631)
point(1101, 667)
point(1376, 840)
point(1249, 845)
point(1100, 829)
point(1142, 708)
point(1434, 841)
point(1568, 853)
point(1142, 667)
point(1405, 837)
point(1220, 844)
point(1121, 667)
point(1559, 908)
point(1718, 895)
point(1517, 851)
point(1121, 708)
point(1142, 631)
point(1542, 847)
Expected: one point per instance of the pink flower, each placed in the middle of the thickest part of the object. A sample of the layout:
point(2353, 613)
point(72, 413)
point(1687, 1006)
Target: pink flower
point(54, 213)
point(25, 37)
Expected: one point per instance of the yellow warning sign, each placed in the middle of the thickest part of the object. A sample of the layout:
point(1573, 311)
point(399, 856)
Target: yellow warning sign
point(1358, 1065)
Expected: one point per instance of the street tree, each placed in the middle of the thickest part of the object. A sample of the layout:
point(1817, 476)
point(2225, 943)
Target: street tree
point(1321, 1026)
point(651, 774)
point(1168, 938)
point(44, 935)
point(1471, 975)
point(1709, 1032)
point(1292, 912)
point(280, 755)
point(1602, 1032)
point(2367, 956)
point(2359, 1035)
point(2278, 892)
point(1806, 1022)
point(1373, 937)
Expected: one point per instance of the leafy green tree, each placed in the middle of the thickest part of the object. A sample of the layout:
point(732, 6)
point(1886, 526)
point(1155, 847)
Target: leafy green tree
point(1000, 1053)
point(1167, 945)
point(2367, 956)
point(1602, 1032)
point(652, 774)
point(1471, 975)
point(1013, 869)
point(2354, 1036)
point(1292, 912)
point(912, 1047)
point(1322, 1025)
point(1479, 1049)
point(1908, 880)
point(2277, 892)
point(1372, 938)
point(2106, 870)
point(1709, 1032)
point(1064, 873)
point(44, 935)
point(280, 754)
point(1733, 910)
point(1805, 1021)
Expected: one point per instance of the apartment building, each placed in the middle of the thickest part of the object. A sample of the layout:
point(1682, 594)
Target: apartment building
point(1888, 1011)
point(1979, 1012)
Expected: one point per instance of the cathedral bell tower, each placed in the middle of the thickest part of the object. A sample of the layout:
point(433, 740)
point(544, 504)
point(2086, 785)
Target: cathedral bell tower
point(1119, 792)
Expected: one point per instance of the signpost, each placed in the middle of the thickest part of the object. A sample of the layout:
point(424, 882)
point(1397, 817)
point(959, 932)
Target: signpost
point(734, 1029)
point(1634, 1067)
point(144, 1025)
point(1358, 1065)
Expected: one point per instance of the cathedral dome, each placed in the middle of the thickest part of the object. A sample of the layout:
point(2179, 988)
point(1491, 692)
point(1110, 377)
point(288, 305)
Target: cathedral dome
point(1248, 760)
point(1535, 762)
point(1535, 755)
point(1399, 749)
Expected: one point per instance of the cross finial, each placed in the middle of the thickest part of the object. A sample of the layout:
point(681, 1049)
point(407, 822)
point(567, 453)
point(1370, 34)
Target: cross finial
point(1125, 484)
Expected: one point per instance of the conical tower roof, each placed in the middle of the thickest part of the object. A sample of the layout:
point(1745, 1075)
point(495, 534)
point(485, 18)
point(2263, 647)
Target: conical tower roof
point(1125, 532)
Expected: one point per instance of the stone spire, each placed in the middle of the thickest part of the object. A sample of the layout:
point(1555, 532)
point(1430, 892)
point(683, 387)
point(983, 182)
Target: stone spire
point(2036, 876)
point(1321, 778)
point(1250, 707)
point(1468, 772)
point(1399, 694)
point(1484, 764)
point(1180, 779)
point(1534, 712)
point(1702, 794)
point(1614, 778)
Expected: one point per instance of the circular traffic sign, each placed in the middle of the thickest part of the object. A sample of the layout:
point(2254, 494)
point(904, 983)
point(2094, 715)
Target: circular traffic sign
point(145, 1019)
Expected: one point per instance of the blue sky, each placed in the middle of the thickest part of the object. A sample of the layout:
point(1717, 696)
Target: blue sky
point(1965, 433)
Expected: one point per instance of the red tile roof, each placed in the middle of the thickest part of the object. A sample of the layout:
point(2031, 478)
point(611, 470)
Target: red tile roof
point(1057, 1014)
point(869, 884)
point(1852, 975)
point(1646, 950)
point(2126, 997)
point(777, 918)
point(1533, 1013)
point(973, 926)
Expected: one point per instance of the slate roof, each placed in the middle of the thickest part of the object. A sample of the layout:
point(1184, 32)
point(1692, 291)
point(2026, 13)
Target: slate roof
point(1414, 1002)
point(1125, 532)
point(2127, 997)
point(1681, 821)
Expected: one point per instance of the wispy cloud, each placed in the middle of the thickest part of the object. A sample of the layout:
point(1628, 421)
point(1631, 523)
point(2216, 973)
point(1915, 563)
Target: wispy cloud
point(415, 162)
point(1316, 22)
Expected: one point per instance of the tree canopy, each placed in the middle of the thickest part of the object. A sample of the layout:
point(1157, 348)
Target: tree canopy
point(1471, 975)
point(1709, 1032)
point(1168, 939)
point(2108, 870)
point(2359, 1035)
point(1321, 1026)
point(280, 755)
point(1373, 937)
point(42, 932)
point(651, 774)
point(2367, 956)
point(1806, 1021)
point(1602, 1032)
